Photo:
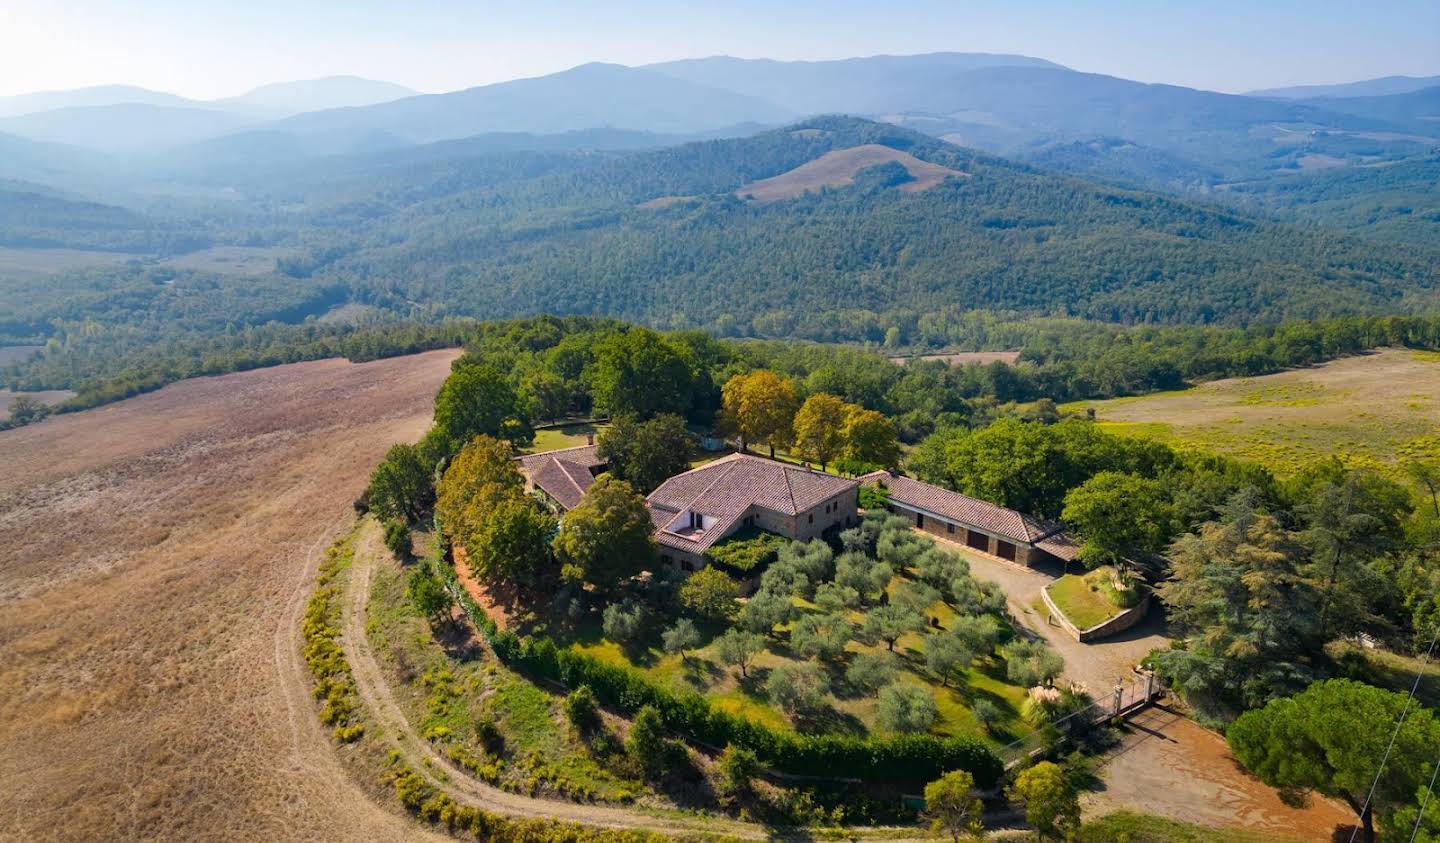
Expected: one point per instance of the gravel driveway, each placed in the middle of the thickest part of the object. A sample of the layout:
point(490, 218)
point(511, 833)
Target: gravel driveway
point(1097, 665)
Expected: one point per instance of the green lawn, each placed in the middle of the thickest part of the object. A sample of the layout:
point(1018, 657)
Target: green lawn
point(555, 438)
point(1082, 604)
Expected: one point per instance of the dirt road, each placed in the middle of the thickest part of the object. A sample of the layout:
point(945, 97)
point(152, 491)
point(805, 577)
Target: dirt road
point(457, 781)
point(158, 554)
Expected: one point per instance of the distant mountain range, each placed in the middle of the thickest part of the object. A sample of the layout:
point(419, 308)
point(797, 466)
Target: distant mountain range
point(1018, 106)
point(586, 97)
point(123, 144)
point(276, 100)
point(127, 119)
point(1384, 86)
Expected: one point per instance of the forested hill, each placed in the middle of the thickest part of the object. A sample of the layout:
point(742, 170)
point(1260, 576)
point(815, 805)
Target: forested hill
point(668, 237)
point(1003, 236)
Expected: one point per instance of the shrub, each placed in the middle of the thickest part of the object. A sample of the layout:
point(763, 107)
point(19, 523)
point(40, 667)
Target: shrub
point(428, 595)
point(489, 736)
point(747, 550)
point(581, 709)
point(623, 621)
point(397, 538)
point(646, 743)
point(874, 497)
point(906, 708)
point(738, 768)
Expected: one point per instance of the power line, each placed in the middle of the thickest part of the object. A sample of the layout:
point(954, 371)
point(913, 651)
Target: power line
point(1420, 814)
point(1404, 712)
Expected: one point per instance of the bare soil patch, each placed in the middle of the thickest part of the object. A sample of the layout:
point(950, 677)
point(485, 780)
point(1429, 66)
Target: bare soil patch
point(1172, 767)
point(159, 552)
point(838, 168)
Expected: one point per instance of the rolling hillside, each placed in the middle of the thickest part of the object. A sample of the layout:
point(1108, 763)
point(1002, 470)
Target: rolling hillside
point(1383, 86)
point(586, 97)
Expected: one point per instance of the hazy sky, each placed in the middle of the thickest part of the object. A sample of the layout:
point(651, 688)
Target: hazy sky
point(212, 48)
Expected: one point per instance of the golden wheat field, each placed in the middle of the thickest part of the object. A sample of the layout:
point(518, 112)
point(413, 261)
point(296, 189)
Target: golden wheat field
point(157, 556)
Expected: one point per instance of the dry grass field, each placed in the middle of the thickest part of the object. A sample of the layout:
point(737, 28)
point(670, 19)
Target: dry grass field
point(964, 358)
point(838, 169)
point(19, 262)
point(158, 555)
point(1374, 410)
point(232, 260)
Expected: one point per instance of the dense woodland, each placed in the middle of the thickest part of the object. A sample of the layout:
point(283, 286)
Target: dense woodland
point(511, 233)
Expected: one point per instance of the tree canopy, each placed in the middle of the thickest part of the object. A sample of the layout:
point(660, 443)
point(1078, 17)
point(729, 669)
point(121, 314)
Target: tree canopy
point(1332, 737)
point(607, 537)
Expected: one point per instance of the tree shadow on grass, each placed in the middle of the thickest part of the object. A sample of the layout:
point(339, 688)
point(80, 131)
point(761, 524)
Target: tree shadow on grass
point(752, 684)
point(829, 720)
point(701, 672)
point(457, 638)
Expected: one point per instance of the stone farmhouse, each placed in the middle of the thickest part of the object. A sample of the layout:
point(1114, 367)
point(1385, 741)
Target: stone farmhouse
point(694, 510)
point(975, 523)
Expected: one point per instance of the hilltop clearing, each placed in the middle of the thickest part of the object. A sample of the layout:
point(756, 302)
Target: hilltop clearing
point(839, 168)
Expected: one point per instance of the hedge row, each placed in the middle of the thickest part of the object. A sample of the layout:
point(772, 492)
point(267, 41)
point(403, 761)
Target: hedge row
point(904, 758)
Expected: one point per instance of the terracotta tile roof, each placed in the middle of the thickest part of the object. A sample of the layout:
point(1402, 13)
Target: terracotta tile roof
point(728, 488)
point(564, 475)
point(963, 509)
point(1061, 545)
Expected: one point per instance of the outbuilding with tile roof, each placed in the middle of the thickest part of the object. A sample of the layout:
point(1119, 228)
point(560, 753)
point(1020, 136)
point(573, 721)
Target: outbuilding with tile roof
point(978, 524)
point(562, 476)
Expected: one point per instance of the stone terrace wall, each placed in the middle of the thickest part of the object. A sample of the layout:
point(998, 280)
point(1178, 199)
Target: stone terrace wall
point(1121, 622)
